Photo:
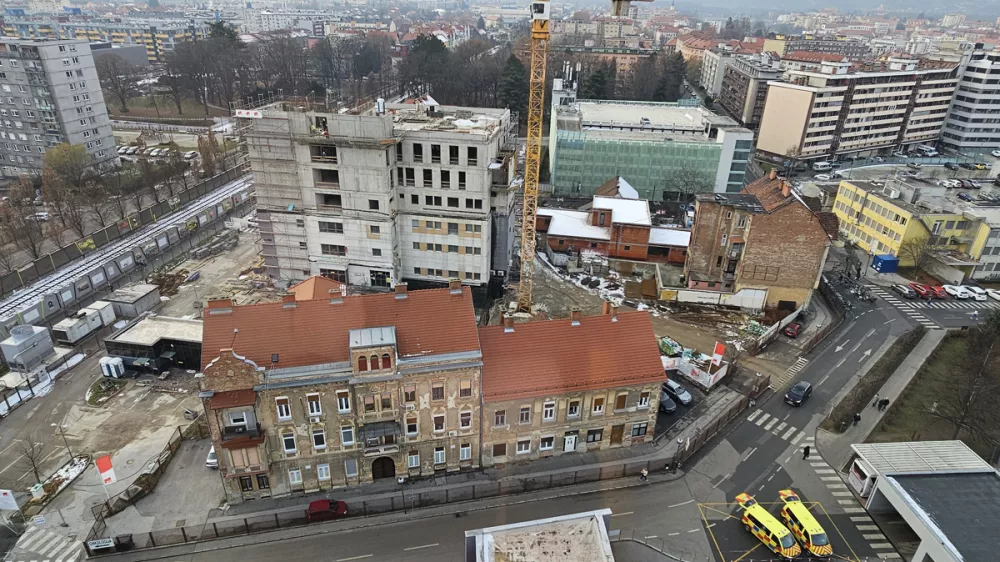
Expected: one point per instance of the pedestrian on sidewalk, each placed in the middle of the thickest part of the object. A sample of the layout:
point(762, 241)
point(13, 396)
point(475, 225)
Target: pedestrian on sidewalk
point(643, 475)
point(857, 418)
point(805, 453)
point(883, 404)
point(876, 401)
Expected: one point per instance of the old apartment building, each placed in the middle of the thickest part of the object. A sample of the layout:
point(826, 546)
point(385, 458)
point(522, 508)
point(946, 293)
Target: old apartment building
point(744, 87)
point(336, 391)
point(762, 238)
point(830, 113)
point(307, 395)
point(49, 95)
point(573, 385)
point(401, 192)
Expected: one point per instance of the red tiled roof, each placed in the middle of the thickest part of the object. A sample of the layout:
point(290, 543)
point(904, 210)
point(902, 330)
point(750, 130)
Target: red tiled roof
point(829, 222)
point(550, 357)
point(429, 322)
point(316, 287)
point(768, 192)
point(233, 398)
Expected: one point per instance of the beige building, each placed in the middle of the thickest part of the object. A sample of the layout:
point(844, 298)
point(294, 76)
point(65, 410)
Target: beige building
point(309, 395)
point(572, 385)
point(835, 112)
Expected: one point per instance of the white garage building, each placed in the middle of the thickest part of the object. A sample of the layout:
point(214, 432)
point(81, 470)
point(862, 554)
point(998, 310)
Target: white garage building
point(947, 496)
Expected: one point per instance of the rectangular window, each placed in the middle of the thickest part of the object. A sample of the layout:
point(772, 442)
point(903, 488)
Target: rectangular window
point(415, 200)
point(465, 389)
point(525, 414)
point(295, 476)
point(315, 408)
point(284, 408)
point(500, 450)
point(500, 417)
point(418, 152)
point(461, 180)
point(453, 155)
point(445, 179)
point(473, 156)
point(288, 442)
point(319, 439)
point(439, 423)
point(453, 228)
point(411, 425)
point(377, 252)
point(620, 401)
point(598, 406)
point(333, 250)
point(643, 399)
point(435, 154)
point(373, 204)
point(546, 443)
point(549, 411)
point(343, 401)
point(386, 402)
point(410, 393)
point(524, 447)
point(369, 401)
point(465, 452)
point(594, 435)
point(437, 392)
point(465, 420)
point(323, 472)
point(452, 249)
point(263, 482)
point(453, 202)
point(438, 455)
point(573, 410)
point(351, 468)
point(413, 460)
point(428, 178)
point(374, 229)
point(639, 429)
point(347, 435)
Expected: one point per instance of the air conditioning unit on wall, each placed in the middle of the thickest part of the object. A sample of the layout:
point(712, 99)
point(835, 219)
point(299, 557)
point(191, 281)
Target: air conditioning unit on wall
point(452, 434)
point(314, 419)
point(410, 407)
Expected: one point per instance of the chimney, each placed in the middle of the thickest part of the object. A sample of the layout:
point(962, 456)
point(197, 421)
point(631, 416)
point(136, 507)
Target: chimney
point(288, 301)
point(786, 189)
point(455, 286)
point(220, 306)
point(574, 316)
point(773, 174)
point(400, 291)
point(508, 324)
point(614, 313)
point(605, 308)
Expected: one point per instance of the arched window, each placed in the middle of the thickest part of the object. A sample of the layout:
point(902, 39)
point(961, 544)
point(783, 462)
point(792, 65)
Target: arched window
point(386, 361)
point(362, 364)
point(375, 366)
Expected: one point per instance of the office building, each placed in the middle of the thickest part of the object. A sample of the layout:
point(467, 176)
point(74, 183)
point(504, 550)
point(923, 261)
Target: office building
point(415, 191)
point(713, 69)
point(662, 148)
point(782, 44)
point(835, 112)
point(744, 87)
point(973, 122)
point(50, 95)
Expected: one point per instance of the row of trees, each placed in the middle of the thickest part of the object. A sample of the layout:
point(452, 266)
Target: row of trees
point(80, 198)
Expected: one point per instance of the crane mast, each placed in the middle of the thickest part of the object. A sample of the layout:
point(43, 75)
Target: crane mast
point(533, 151)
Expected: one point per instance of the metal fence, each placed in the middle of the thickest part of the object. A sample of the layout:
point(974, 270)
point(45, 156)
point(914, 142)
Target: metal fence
point(28, 273)
point(405, 501)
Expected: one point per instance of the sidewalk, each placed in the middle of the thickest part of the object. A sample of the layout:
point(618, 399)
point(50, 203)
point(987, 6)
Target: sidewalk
point(541, 471)
point(836, 447)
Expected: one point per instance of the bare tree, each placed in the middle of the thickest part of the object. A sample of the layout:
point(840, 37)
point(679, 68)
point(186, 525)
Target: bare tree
point(916, 251)
point(95, 198)
point(686, 181)
point(7, 252)
point(18, 219)
point(969, 401)
point(55, 232)
point(118, 78)
point(119, 186)
point(31, 454)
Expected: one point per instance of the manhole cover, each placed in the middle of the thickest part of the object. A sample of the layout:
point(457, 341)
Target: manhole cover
point(129, 462)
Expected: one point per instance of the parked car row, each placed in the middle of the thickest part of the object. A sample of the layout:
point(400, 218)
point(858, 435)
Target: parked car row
point(961, 292)
point(671, 393)
point(154, 152)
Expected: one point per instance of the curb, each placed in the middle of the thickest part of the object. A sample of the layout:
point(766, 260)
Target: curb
point(35, 509)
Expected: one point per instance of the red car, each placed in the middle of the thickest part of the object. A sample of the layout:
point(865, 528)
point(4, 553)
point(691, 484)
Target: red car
point(922, 291)
point(939, 292)
point(792, 330)
point(325, 510)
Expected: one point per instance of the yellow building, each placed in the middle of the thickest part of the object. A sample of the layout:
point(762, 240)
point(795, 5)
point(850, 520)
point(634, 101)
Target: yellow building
point(881, 220)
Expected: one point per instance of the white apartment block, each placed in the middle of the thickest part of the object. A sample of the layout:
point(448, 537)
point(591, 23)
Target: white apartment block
point(974, 118)
point(834, 113)
point(417, 193)
point(713, 68)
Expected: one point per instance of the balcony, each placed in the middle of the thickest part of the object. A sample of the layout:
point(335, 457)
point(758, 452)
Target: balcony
point(381, 450)
point(242, 432)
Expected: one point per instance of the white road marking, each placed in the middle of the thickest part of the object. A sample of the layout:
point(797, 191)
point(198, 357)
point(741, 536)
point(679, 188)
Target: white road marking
point(12, 443)
point(854, 509)
point(861, 519)
point(825, 471)
point(822, 380)
point(752, 451)
point(788, 433)
point(830, 478)
point(786, 417)
point(672, 534)
point(781, 426)
point(819, 463)
point(761, 420)
point(842, 494)
point(422, 546)
point(798, 437)
point(754, 415)
point(680, 504)
point(884, 545)
point(770, 477)
point(890, 556)
point(837, 485)
point(847, 502)
point(65, 554)
point(867, 527)
point(622, 513)
point(770, 424)
point(874, 537)
point(694, 530)
point(650, 537)
point(355, 558)
point(720, 481)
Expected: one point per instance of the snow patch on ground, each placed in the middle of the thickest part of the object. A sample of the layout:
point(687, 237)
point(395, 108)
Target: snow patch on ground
point(65, 475)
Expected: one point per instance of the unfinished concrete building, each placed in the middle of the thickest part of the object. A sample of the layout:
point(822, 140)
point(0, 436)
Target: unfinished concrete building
point(412, 192)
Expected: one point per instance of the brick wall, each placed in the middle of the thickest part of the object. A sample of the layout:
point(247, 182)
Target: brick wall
point(709, 224)
point(629, 242)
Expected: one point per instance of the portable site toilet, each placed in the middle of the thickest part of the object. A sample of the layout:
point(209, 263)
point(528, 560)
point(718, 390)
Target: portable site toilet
point(112, 367)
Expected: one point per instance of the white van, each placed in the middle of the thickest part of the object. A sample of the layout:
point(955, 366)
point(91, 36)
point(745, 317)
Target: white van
point(822, 166)
point(926, 151)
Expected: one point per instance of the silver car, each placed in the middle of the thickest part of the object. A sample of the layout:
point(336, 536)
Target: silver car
point(677, 392)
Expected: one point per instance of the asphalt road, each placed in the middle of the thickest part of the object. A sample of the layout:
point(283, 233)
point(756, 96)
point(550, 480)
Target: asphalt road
point(944, 313)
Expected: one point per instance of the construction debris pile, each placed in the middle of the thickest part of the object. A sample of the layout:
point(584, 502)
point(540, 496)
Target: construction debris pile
point(221, 242)
point(169, 281)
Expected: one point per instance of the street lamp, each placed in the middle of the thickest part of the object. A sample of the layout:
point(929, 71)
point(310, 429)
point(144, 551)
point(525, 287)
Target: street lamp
point(402, 482)
point(62, 431)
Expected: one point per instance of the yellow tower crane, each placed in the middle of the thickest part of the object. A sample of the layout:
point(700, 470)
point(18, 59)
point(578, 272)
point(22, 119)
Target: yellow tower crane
point(533, 151)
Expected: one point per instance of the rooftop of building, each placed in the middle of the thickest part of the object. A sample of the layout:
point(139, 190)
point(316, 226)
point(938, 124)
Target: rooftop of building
point(578, 537)
point(625, 211)
point(40, 42)
point(415, 117)
point(812, 56)
point(147, 330)
point(316, 287)
point(558, 356)
point(657, 116)
point(767, 194)
point(920, 456)
point(430, 322)
point(131, 293)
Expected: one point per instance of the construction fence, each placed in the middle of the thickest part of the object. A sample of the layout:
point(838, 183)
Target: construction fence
point(413, 500)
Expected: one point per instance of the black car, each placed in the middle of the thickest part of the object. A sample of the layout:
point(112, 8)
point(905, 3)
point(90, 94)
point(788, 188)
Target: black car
point(951, 165)
point(798, 393)
point(904, 291)
point(967, 166)
point(667, 406)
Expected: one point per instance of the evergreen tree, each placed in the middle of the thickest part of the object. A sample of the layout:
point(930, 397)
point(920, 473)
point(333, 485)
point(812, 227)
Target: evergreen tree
point(513, 91)
point(481, 23)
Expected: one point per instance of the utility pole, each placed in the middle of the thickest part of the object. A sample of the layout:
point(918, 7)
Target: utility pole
point(62, 431)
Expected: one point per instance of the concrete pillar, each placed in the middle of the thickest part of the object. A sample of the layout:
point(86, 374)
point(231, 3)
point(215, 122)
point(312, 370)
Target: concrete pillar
point(921, 554)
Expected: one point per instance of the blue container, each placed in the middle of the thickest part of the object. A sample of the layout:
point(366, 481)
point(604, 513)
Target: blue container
point(885, 263)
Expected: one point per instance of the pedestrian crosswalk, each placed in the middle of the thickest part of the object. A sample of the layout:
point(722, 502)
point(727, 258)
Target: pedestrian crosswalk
point(42, 544)
point(906, 307)
point(778, 428)
point(799, 364)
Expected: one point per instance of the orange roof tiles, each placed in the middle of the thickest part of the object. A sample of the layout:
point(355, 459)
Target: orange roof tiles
point(768, 192)
point(429, 322)
point(316, 287)
point(233, 398)
point(552, 357)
